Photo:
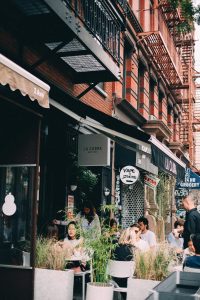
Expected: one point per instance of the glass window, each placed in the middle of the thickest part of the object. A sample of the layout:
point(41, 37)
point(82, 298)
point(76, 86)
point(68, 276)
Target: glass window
point(15, 228)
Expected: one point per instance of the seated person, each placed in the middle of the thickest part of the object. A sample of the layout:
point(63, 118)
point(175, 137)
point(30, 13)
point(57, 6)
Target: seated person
point(73, 245)
point(52, 231)
point(140, 244)
point(189, 251)
point(194, 261)
point(124, 252)
point(114, 232)
point(124, 249)
point(174, 239)
point(146, 234)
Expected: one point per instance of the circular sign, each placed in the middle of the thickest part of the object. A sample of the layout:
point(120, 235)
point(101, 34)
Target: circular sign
point(129, 174)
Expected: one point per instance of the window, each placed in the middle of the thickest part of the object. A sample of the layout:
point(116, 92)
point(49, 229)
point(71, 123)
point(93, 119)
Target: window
point(15, 230)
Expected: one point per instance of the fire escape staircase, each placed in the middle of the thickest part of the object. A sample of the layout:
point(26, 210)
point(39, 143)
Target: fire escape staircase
point(83, 36)
point(162, 50)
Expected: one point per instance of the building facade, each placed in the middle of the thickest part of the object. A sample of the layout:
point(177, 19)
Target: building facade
point(115, 69)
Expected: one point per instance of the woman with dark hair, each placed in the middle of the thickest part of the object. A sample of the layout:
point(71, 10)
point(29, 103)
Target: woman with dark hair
point(73, 244)
point(89, 221)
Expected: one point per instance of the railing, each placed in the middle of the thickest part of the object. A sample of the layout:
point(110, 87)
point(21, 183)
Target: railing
point(100, 20)
point(123, 4)
point(169, 43)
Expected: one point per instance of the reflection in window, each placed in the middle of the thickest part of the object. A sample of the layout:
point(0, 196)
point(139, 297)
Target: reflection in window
point(15, 229)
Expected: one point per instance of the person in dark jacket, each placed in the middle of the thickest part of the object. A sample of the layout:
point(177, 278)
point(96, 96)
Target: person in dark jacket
point(194, 261)
point(192, 219)
point(124, 251)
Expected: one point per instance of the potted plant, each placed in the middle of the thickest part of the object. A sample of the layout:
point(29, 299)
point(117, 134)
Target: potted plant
point(151, 267)
point(102, 248)
point(52, 281)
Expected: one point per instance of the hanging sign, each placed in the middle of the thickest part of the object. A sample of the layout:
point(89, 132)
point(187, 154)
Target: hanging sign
point(151, 181)
point(93, 150)
point(192, 181)
point(129, 174)
point(9, 207)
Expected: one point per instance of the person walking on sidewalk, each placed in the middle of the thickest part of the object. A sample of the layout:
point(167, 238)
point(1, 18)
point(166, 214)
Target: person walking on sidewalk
point(192, 219)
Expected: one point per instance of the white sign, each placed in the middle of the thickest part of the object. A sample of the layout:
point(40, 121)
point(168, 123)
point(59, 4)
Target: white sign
point(129, 174)
point(93, 150)
point(9, 207)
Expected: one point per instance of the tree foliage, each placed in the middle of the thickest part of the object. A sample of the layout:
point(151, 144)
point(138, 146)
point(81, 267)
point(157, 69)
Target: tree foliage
point(189, 11)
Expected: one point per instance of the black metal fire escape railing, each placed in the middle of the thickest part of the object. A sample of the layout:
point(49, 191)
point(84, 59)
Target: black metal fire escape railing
point(123, 4)
point(101, 21)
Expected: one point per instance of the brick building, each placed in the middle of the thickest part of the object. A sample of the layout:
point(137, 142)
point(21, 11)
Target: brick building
point(116, 69)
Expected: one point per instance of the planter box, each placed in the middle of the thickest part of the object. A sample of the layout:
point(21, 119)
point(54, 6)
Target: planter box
point(178, 286)
point(99, 291)
point(139, 289)
point(53, 284)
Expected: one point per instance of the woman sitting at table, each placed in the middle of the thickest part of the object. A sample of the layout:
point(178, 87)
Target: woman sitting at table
point(73, 244)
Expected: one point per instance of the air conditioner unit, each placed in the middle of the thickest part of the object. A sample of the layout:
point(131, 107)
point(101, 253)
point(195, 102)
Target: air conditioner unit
point(152, 117)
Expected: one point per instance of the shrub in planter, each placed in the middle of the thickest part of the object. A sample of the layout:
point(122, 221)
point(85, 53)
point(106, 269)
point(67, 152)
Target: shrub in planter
point(154, 264)
point(51, 281)
point(102, 248)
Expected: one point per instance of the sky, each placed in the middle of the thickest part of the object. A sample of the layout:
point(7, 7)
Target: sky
point(197, 41)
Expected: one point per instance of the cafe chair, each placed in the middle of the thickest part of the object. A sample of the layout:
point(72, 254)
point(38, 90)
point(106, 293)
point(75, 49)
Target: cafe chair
point(83, 275)
point(120, 269)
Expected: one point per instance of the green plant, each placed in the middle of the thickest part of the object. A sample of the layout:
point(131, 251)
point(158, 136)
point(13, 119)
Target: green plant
point(154, 264)
point(49, 255)
point(189, 11)
point(101, 247)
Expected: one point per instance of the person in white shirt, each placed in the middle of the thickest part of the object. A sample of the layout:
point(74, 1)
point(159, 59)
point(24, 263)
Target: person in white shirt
point(146, 234)
point(174, 239)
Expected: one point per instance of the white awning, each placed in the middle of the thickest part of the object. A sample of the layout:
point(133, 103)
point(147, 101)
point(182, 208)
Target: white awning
point(20, 79)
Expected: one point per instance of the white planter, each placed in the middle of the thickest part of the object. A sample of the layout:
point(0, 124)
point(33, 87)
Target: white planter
point(99, 291)
point(53, 284)
point(139, 289)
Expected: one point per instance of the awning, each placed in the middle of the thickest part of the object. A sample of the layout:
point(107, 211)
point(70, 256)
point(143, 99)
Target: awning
point(105, 124)
point(191, 181)
point(19, 79)
point(166, 160)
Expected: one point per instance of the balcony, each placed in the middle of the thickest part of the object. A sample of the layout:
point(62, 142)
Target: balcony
point(158, 129)
point(82, 35)
point(160, 45)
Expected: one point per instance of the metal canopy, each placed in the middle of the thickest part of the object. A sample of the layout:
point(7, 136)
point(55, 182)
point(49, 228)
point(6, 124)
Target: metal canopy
point(84, 36)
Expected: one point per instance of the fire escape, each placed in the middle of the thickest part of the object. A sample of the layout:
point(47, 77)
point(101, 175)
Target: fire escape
point(173, 53)
point(184, 93)
point(196, 124)
point(82, 36)
point(165, 56)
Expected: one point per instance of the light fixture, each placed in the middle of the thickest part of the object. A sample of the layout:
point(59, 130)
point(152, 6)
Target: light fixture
point(106, 191)
point(73, 187)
